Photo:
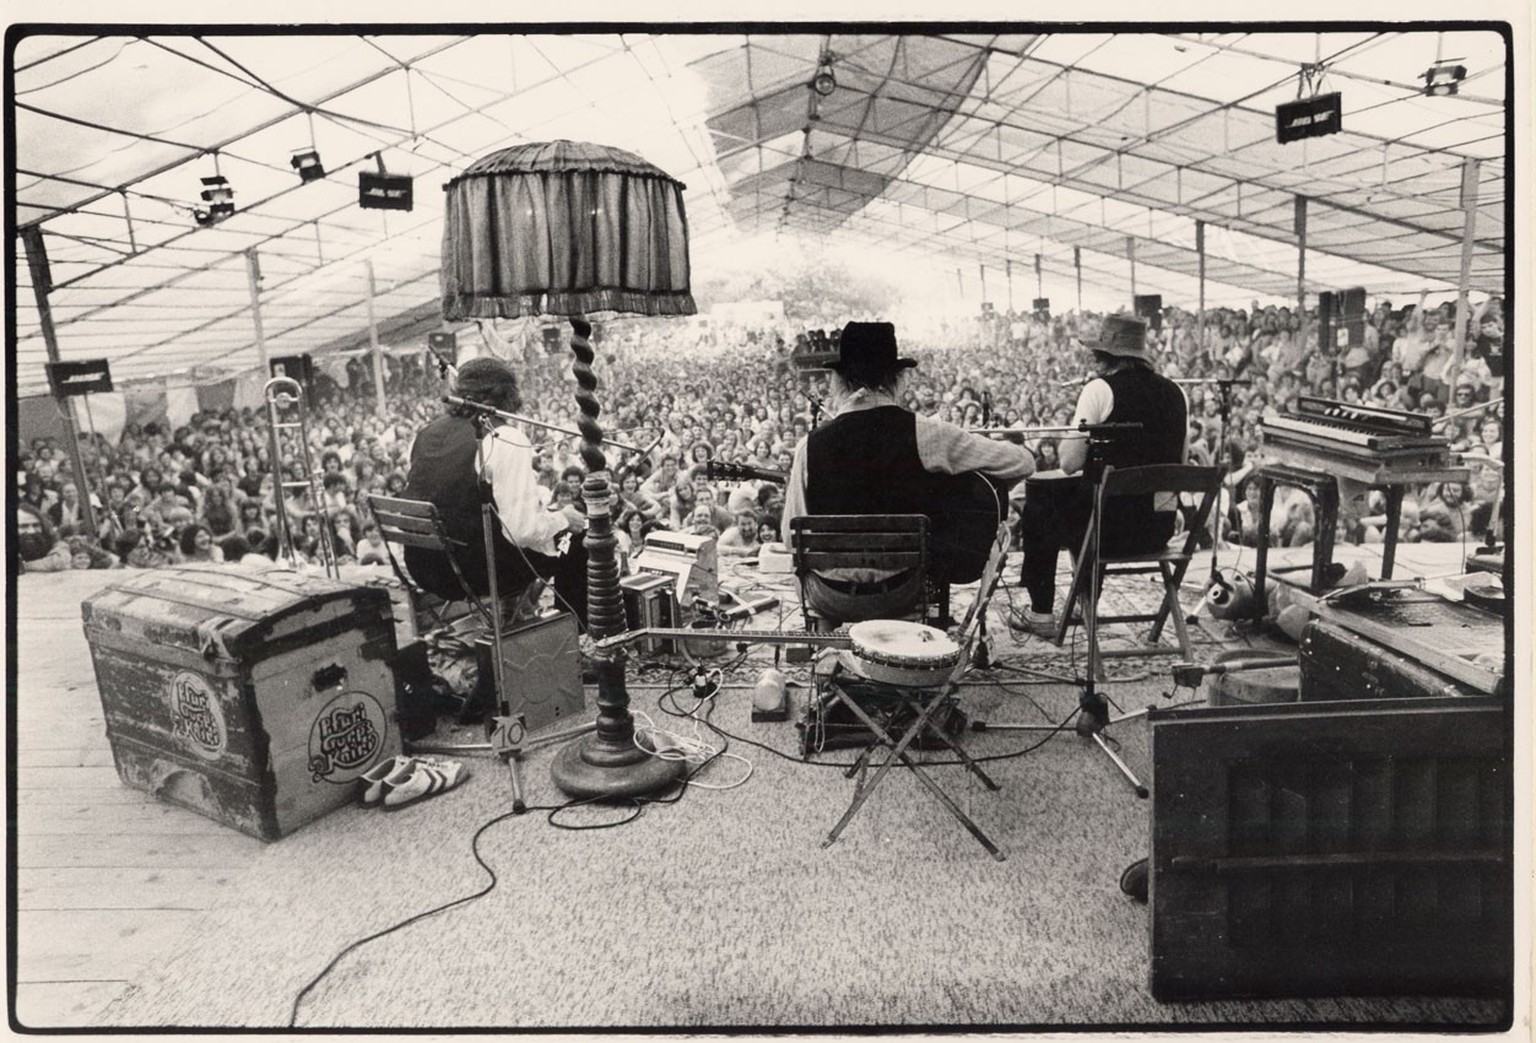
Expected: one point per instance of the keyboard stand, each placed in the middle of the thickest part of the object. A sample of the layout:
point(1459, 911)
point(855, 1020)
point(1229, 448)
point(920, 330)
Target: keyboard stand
point(1323, 488)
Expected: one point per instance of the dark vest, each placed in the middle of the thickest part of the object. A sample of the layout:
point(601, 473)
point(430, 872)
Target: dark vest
point(1155, 402)
point(866, 462)
point(443, 472)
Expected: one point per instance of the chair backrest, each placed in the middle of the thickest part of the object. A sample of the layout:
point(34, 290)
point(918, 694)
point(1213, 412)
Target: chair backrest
point(416, 523)
point(819, 542)
point(1173, 479)
point(410, 523)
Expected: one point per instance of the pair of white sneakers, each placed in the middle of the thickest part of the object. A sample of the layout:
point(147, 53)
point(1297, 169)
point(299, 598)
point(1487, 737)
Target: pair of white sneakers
point(404, 780)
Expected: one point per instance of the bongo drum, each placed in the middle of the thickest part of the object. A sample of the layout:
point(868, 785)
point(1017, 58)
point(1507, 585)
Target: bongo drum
point(901, 652)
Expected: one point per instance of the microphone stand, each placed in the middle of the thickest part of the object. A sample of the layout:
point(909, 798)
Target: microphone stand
point(1224, 386)
point(481, 407)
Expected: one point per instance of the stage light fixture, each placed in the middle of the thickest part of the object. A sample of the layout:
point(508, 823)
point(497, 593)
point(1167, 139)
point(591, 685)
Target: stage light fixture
point(824, 82)
point(383, 190)
point(1442, 80)
point(307, 163)
point(219, 197)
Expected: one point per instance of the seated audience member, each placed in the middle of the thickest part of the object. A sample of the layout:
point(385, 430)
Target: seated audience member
point(371, 549)
point(37, 542)
point(741, 539)
point(1443, 513)
point(235, 548)
point(702, 522)
point(197, 545)
point(86, 551)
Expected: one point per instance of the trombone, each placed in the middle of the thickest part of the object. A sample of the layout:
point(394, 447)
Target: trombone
point(285, 393)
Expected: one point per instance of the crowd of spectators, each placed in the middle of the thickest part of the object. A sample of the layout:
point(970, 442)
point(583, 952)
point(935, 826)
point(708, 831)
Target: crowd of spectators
point(692, 391)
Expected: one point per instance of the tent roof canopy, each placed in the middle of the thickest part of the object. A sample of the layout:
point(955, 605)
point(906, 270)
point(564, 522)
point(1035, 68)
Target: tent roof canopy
point(1104, 150)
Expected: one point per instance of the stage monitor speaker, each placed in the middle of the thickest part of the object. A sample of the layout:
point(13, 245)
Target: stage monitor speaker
point(297, 367)
point(1149, 306)
point(541, 668)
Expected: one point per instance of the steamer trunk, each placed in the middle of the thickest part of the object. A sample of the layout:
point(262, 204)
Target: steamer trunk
point(255, 696)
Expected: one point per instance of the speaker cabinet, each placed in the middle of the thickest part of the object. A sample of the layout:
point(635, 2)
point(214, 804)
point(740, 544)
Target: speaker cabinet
point(541, 670)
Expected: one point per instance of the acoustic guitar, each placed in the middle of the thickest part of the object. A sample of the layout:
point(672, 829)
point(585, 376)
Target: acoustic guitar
point(962, 527)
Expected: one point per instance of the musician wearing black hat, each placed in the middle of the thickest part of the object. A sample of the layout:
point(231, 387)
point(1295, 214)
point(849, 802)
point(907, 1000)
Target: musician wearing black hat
point(875, 457)
point(1125, 390)
point(460, 456)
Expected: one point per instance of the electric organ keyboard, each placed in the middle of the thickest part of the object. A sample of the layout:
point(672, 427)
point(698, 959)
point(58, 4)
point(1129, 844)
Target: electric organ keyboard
point(1364, 443)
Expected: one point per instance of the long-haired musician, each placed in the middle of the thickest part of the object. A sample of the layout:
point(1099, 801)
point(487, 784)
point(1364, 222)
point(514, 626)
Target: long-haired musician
point(876, 457)
point(450, 459)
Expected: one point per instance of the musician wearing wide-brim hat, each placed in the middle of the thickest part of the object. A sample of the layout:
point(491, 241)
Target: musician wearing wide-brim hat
point(1126, 388)
point(873, 456)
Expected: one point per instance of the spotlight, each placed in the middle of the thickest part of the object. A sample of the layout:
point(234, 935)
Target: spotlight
point(1441, 80)
point(824, 83)
point(383, 190)
point(307, 163)
point(219, 197)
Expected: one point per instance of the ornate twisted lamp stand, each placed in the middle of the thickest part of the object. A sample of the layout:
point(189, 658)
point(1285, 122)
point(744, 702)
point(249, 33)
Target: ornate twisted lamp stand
point(606, 764)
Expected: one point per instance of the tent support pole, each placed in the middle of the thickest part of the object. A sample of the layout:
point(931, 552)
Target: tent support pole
point(1469, 172)
point(37, 266)
point(1301, 270)
point(253, 277)
point(1200, 311)
point(373, 345)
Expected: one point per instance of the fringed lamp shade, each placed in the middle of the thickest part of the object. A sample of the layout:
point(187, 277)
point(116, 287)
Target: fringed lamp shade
point(564, 228)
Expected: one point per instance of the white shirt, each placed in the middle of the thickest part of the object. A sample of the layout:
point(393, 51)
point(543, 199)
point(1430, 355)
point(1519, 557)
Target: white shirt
point(507, 463)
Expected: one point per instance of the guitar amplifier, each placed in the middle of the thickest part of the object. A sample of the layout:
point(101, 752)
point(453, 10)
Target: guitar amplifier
point(648, 602)
point(541, 668)
point(689, 560)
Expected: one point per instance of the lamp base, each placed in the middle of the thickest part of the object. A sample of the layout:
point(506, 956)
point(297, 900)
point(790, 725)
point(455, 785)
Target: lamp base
point(592, 769)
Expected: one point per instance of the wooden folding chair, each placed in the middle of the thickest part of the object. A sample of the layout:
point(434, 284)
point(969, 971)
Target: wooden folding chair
point(1092, 565)
point(886, 542)
point(416, 523)
point(899, 716)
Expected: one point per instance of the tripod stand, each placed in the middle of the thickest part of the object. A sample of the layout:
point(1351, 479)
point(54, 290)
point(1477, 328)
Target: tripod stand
point(1120, 556)
point(1224, 386)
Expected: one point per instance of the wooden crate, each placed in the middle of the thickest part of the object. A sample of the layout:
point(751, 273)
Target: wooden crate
point(254, 696)
point(1332, 849)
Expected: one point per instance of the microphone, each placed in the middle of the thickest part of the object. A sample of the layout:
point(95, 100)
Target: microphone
point(749, 608)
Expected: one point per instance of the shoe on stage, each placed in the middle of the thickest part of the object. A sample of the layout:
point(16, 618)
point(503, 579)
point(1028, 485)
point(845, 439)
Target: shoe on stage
point(1042, 624)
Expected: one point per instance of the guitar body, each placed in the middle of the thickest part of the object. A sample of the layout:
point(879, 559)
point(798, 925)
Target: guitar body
point(968, 510)
point(964, 512)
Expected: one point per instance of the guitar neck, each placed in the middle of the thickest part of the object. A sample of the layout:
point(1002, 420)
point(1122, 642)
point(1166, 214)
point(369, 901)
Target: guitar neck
point(719, 470)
